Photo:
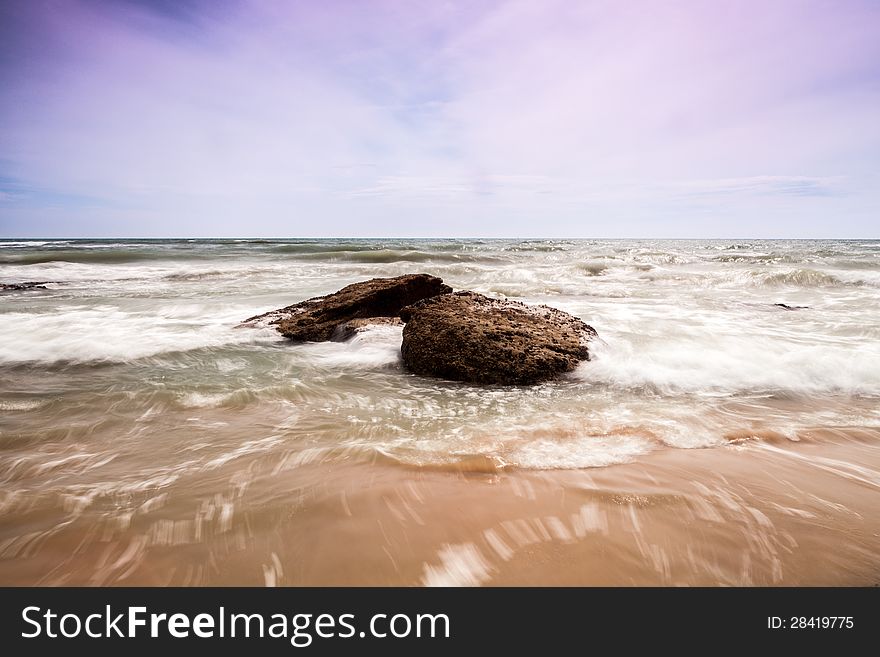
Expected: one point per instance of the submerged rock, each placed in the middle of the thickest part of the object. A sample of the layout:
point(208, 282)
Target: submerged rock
point(469, 337)
point(28, 285)
point(325, 318)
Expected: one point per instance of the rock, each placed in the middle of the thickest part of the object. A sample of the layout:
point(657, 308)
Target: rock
point(352, 327)
point(787, 307)
point(469, 337)
point(28, 285)
point(322, 318)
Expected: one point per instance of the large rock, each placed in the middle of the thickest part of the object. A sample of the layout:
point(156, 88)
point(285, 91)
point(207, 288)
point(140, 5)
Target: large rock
point(328, 317)
point(466, 336)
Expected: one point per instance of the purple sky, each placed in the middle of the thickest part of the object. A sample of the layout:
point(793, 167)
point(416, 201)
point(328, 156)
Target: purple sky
point(538, 118)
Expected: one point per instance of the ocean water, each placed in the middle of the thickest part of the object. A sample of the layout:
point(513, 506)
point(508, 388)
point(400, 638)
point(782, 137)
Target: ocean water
point(692, 349)
point(126, 383)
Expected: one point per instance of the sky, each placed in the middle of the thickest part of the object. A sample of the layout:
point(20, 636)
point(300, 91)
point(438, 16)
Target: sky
point(361, 118)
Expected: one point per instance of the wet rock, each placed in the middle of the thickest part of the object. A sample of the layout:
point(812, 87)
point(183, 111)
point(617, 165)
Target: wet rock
point(787, 307)
point(27, 285)
point(469, 337)
point(323, 318)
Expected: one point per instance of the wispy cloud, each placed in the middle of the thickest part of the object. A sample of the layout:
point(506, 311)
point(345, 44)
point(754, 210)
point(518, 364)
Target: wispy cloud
point(763, 185)
point(352, 118)
point(458, 187)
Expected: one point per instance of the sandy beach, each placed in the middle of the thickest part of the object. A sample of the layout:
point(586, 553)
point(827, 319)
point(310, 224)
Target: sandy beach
point(754, 513)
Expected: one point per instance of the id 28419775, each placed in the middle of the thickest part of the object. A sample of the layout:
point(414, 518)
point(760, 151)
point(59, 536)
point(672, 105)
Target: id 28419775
point(810, 623)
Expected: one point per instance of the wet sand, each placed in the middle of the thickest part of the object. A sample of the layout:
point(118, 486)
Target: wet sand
point(751, 513)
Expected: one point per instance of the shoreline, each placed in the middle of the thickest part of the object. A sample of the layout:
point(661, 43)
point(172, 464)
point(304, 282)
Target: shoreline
point(747, 514)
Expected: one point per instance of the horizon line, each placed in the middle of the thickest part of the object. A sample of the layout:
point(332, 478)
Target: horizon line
point(404, 237)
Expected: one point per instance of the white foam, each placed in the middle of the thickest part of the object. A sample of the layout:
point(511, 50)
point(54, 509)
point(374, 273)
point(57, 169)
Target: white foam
point(202, 400)
point(20, 404)
point(374, 346)
point(587, 452)
point(690, 348)
point(111, 333)
point(714, 362)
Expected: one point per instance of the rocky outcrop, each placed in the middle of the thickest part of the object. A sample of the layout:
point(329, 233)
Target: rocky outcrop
point(324, 318)
point(466, 336)
point(463, 336)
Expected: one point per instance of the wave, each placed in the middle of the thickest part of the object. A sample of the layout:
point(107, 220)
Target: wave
point(194, 276)
point(802, 278)
point(111, 334)
point(656, 256)
point(322, 248)
point(585, 452)
point(21, 404)
point(546, 449)
point(330, 247)
point(726, 277)
point(374, 347)
point(539, 248)
point(88, 252)
point(26, 244)
point(236, 399)
point(760, 258)
point(852, 263)
point(387, 256)
point(684, 337)
point(733, 364)
point(593, 268)
point(99, 257)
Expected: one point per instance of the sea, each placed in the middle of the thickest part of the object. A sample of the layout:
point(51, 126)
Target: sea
point(146, 438)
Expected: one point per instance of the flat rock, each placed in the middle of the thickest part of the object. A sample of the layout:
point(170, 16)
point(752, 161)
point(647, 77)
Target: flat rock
point(324, 318)
point(470, 337)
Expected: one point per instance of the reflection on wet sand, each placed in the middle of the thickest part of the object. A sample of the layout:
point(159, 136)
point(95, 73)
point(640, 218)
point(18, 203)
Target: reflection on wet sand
point(749, 513)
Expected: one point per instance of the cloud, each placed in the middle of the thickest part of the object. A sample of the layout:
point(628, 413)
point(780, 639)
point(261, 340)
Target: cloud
point(763, 185)
point(352, 118)
point(475, 184)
